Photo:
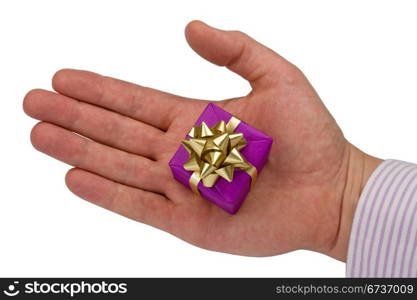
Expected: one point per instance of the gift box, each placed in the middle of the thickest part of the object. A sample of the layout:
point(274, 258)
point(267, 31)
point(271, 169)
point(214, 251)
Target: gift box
point(221, 158)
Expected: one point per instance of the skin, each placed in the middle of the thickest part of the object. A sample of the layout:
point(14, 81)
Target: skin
point(120, 136)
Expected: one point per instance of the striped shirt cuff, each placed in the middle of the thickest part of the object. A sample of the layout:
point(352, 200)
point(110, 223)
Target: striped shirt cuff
point(383, 239)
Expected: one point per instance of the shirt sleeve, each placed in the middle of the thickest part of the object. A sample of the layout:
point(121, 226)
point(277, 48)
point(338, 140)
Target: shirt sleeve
point(383, 238)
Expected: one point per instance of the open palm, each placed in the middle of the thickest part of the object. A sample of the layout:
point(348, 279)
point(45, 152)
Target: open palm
point(120, 137)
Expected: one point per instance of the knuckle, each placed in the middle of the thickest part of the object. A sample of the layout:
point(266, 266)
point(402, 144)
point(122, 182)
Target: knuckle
point(293, 75)
point(239, 33)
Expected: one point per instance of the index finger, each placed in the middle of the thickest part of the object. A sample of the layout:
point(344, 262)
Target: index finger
point(148, 105)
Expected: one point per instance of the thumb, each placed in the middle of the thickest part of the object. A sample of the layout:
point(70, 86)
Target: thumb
point(237, 51)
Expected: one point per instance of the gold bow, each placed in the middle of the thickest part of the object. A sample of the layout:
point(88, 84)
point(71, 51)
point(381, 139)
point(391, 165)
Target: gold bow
point(215, 152)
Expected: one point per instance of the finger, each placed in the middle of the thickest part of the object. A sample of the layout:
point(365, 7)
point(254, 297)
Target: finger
point(114, 164)
point(94, 122)
point(237, 51)
point(136, 204)
point(153, 107)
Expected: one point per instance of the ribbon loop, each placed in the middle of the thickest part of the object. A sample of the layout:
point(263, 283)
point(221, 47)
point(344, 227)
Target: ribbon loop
point(214, 152)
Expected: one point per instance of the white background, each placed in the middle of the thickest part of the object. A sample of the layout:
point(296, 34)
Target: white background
point(359, 55)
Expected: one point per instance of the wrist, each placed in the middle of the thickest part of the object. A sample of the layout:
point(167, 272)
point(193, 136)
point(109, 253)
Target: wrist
point(359, 168)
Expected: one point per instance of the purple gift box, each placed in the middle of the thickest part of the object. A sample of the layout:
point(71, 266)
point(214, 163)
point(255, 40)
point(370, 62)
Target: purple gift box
point(227, 195)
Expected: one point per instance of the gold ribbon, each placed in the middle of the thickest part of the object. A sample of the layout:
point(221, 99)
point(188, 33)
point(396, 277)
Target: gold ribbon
point(214, 152)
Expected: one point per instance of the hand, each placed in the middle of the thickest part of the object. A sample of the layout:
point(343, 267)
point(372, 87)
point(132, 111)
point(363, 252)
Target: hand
point(120, 137)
